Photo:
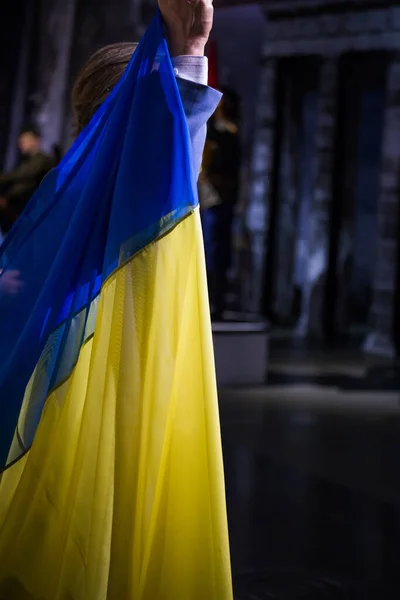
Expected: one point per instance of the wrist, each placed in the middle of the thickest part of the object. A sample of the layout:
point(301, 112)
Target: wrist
point(194, 49)
point(187, 49)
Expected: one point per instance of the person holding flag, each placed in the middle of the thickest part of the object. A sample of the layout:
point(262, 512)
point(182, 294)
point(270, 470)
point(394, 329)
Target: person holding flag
point(112, 482)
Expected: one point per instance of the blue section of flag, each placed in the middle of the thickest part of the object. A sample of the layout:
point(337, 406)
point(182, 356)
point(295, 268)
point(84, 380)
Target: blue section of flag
point(127, 179)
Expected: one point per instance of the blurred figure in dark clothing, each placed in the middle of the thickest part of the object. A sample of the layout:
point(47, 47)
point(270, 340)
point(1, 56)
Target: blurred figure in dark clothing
point(221, 171)
point(57, 153)
point(17, 186)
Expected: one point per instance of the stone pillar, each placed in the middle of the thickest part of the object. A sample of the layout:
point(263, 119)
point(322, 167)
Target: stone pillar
point(288, 201)
point(260, 188)
point(380, 340)
point(314, 295)
point(55, 35)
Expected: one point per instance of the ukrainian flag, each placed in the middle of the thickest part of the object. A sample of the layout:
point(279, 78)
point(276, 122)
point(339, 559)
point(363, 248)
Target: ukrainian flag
point(112, 483)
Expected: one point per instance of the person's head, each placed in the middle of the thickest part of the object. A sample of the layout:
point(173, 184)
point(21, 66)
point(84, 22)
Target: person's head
point(96, 80)
point(29, 141)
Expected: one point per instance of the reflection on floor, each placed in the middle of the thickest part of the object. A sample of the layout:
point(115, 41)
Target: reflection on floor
point(313, 479)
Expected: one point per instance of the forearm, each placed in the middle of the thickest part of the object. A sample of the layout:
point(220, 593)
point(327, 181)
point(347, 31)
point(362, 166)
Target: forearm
point(191, 68)
point(199, 101)
point(8, 178)
point(21, 190)
point(25, 172)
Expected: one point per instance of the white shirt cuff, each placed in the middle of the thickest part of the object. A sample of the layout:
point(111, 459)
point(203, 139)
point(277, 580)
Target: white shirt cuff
point(192, 68)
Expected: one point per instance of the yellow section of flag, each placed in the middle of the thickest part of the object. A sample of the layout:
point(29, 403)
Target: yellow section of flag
point(122, 495)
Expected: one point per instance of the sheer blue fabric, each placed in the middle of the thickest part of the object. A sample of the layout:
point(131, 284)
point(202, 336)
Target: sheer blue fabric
point(127, 179)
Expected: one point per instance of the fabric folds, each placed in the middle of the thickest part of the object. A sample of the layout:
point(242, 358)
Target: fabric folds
point(112, 485)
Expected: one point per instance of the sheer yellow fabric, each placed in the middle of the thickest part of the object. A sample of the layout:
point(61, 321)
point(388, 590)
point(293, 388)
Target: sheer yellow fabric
point(122, 496)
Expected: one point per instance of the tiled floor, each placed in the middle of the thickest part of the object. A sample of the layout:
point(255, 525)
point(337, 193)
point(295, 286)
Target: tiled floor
point(313, 479)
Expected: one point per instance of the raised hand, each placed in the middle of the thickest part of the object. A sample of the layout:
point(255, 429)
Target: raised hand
point(10, 283)
point(188, 24)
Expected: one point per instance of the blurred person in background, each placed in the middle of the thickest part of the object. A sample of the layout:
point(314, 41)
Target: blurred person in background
point(17, 186)
point(219, 183)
